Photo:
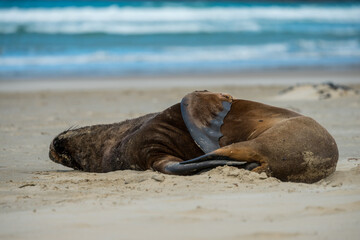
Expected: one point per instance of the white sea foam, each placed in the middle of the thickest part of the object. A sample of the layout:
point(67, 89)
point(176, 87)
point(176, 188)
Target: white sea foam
point(166, 19)
point(194, 54)
point(173, 54)
point(143, 14)
point(128, 28)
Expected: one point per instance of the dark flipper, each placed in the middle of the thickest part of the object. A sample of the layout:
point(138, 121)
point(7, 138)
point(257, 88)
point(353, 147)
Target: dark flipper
point(203, 114)
point(207, 158)
point(192, 168)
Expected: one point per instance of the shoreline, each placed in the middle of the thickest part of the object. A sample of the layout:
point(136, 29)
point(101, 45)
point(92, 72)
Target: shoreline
point(263, 78)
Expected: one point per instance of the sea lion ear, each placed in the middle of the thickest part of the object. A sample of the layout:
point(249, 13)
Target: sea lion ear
point(203, 113)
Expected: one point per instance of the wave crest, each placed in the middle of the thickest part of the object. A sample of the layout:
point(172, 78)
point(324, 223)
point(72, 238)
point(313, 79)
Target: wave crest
point(144, 20)
point(144, 14)
point(174, 55)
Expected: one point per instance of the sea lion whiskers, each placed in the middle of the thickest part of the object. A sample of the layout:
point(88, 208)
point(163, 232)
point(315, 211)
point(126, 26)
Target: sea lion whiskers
point(73, 127)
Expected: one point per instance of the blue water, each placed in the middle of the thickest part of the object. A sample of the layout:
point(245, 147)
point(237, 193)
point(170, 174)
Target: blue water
point(111, 38)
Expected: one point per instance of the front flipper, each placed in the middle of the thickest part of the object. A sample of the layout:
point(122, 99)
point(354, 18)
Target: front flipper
point(203, 113)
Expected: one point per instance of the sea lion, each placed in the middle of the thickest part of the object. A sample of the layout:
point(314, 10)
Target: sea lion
point(204, 131)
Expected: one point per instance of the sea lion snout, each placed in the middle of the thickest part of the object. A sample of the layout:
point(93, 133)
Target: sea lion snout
point(58, 145)
point(58, 152)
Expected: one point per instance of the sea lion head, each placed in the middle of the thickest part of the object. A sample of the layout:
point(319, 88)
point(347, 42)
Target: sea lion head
point(61, 150)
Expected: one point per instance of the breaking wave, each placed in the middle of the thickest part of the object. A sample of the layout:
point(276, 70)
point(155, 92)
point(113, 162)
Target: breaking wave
point(166, 19)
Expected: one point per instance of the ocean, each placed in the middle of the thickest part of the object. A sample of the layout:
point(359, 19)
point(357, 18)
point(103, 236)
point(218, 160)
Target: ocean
point(121, 38)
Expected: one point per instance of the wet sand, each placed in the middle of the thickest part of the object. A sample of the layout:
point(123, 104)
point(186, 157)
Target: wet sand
point(43, 200)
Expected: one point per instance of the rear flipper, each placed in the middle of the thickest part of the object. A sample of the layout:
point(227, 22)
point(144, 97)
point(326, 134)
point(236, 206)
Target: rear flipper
point(172, 165)
point(245, 153)
point(192, 168)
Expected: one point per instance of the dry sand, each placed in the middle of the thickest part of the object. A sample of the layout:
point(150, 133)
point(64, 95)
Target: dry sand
point(42, 200)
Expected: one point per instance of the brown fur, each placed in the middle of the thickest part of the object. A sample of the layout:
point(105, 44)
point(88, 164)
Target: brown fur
point(137, 144)
point(289, 146)
point(285, 144)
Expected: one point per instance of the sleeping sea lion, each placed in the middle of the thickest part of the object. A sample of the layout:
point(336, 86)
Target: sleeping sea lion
point(204, 131)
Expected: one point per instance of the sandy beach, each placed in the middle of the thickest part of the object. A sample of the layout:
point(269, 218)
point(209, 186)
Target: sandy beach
point(43, 200)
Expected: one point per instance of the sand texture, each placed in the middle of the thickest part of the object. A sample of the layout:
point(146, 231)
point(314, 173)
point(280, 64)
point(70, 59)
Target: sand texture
point(43, 200)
